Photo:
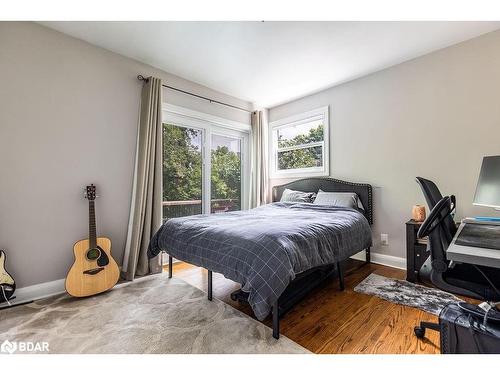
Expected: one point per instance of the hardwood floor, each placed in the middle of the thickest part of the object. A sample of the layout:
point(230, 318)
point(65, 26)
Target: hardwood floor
point(333, 321)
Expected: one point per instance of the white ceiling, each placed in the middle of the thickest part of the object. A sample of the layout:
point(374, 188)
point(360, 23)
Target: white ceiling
point(270, 63)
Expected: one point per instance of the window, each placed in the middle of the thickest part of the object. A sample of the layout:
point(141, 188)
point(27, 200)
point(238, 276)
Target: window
point(182, 171)
point(204, 163)
point(299, 145)
point(225, 179)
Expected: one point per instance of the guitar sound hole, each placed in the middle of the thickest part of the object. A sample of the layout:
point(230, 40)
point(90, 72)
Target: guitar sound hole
point(93, 254)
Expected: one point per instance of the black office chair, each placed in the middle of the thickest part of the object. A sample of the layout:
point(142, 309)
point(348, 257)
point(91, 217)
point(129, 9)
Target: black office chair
point(432, 195)
point(463, 279)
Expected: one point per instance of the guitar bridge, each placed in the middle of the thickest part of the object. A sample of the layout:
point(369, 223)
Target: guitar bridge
point(93, 271)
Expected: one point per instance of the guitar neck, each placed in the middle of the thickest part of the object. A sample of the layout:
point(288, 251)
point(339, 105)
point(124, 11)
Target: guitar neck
point(92, 225)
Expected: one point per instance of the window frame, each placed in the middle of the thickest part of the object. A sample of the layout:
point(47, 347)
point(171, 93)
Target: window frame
point(209, 125)
point(301, 118)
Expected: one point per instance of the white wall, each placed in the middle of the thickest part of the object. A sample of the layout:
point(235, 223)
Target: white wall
point(435, 117)
point(68, 117)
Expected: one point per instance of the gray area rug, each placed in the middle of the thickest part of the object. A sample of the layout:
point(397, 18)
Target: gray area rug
point(405, 293)
point(151, 315)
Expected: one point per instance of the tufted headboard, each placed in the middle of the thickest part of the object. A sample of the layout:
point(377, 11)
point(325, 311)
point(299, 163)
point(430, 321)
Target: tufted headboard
point(364, 191)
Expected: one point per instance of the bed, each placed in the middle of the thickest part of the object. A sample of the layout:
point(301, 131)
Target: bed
point(277, 252)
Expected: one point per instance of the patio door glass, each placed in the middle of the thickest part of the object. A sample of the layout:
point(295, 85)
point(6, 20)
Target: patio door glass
point(204, 168)
point(182, 171)
point(225, 176)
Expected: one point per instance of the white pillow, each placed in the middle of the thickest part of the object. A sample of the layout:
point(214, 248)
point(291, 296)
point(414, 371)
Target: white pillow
point(326, 198)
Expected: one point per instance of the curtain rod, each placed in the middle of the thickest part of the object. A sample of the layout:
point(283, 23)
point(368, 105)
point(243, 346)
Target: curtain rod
point(142, 78)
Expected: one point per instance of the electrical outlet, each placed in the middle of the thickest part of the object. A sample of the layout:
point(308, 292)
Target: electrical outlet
point(384, 239)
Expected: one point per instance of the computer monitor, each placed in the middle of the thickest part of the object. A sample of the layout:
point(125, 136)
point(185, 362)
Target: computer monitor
point(488, 185)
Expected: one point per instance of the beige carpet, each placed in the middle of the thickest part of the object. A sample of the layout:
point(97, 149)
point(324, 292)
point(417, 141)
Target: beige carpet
point(152, 315)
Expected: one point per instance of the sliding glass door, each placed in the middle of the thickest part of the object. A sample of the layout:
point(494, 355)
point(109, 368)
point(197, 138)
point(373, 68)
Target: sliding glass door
point(225, 180)
point(204, 167)
point(182, 171)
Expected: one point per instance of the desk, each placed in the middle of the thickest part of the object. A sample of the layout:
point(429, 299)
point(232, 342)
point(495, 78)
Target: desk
point(472, 255)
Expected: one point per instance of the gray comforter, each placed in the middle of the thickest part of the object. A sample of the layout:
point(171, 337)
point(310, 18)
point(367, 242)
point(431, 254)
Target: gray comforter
point(264, 248)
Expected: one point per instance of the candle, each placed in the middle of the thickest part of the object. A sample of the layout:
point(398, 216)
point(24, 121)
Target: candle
point(418, 213)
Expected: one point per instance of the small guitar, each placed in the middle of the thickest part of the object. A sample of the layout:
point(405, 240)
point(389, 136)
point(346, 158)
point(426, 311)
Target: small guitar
point(7, 283)
point(94, 270)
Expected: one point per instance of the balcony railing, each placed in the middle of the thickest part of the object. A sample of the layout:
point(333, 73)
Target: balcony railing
point(173, 209)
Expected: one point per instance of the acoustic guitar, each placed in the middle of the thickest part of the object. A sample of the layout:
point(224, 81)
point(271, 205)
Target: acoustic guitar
point(94, 270)
point(7, 283)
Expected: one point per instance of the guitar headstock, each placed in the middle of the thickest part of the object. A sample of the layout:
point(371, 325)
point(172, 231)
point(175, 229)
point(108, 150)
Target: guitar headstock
point(90, 192)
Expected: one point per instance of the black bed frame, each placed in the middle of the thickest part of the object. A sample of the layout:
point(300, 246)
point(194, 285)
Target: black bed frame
point(308, 280)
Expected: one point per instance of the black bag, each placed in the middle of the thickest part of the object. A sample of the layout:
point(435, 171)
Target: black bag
point(464, 333)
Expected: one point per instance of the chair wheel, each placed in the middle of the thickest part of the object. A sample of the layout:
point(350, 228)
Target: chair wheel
point(419, 332)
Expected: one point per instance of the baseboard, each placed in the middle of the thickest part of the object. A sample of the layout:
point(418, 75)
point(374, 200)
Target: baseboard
point(383, 259)
point(37, 291)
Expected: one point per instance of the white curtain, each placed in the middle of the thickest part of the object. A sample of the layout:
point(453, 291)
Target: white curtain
point(146, 206)
point(259, 159)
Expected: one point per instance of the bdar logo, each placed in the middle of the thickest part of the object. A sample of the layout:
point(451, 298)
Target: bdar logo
point(8, 347)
